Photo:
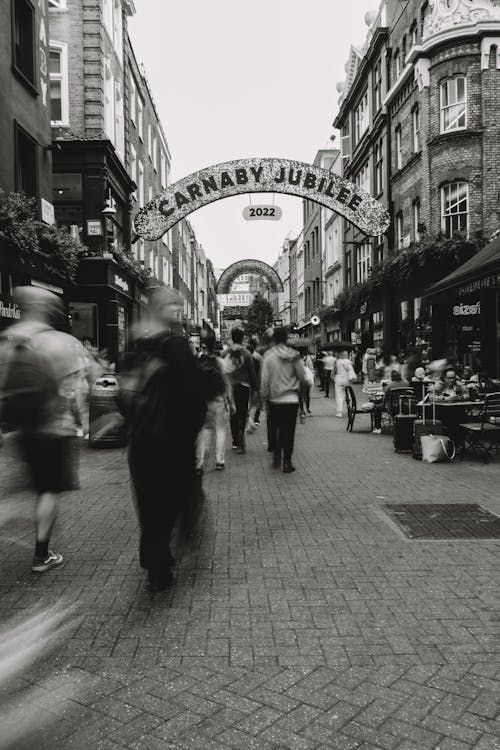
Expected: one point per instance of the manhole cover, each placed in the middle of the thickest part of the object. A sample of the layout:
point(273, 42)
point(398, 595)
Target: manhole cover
point(439, 521)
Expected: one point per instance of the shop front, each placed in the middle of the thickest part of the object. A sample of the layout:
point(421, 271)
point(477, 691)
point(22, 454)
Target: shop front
point(466, 304)
point(105, 303)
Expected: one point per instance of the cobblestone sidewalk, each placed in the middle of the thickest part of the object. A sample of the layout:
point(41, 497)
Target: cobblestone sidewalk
point(301, 618)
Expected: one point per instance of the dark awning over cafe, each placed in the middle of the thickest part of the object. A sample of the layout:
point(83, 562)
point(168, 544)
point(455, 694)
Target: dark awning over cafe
point(483, 267)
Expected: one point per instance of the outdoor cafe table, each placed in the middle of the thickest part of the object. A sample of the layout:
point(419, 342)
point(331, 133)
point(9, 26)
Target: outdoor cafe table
point(452, 414)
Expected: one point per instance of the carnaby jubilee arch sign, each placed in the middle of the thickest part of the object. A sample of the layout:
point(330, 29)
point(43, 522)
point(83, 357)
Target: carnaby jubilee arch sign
point(260, 176)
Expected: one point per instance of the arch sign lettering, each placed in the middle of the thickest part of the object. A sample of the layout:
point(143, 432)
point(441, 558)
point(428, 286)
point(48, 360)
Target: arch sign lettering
point(257, 267)
point(260, 176)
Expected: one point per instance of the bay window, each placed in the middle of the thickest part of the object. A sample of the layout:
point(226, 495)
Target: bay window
point(453, 104)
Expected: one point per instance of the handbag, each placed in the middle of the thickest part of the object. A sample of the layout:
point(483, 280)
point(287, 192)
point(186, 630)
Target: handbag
point(309, 377)
point(437, 448)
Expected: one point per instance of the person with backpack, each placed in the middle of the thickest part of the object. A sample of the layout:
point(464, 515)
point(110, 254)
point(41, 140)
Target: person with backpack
point(42, 371)
point(219, 403)
point(164, 402)
point(238, 364)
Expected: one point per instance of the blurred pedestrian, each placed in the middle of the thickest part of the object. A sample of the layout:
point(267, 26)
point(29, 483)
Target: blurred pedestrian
point(42, 374)
point(305, 393)
point(165, 406)
point(238, 364)
point(283, 377)
point(328, 368)
point(344, 374)
point(254, 421)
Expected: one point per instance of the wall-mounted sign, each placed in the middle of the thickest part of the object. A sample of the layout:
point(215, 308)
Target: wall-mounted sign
point(261, 176)
point(94, 227)
point(47, 210)
point(486, 282)
point(238, 298)
point(9, 310)
point(121, 283)
point(462, 309)
point(255, 213)
point(42, 38)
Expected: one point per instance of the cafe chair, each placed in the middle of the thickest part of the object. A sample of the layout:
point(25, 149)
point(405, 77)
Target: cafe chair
point(483, 436)
point(352, 409)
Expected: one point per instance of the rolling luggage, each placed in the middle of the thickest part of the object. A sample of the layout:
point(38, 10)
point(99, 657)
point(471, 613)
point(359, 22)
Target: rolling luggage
point(423, 427)
point(403, 427)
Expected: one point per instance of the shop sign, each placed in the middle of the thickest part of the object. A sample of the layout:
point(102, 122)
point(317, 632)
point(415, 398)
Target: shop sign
point(94, 228)
point(121, 283)
point(487, 282)
point(42, 39)
point(462, 309)
point(256, 213)
point(10, 310)
point(47, 209)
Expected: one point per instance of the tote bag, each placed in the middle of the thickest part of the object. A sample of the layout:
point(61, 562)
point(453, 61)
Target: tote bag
point(437, 448)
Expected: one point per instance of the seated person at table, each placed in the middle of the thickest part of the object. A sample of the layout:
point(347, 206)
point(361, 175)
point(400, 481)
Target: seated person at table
point(395, 383)
point(448, 388)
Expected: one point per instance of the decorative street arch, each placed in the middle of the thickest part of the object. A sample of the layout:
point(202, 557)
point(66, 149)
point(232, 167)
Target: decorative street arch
point(261, 176)
point(257, 267)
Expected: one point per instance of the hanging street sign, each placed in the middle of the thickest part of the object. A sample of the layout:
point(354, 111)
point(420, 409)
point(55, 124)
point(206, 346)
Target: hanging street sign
point(255, 213)
point(261, 176)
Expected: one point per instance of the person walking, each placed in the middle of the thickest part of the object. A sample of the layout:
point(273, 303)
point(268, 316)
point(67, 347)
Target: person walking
point(305, 393)
point(328, 367)
point(283, 376)
point(165, 406)
point(344, 374)
point(42, 374)
point(257, 363)
point(217, 408)
point(238, 364)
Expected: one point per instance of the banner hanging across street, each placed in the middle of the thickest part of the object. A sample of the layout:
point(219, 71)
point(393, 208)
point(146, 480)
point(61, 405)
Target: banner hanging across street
point(260, 176)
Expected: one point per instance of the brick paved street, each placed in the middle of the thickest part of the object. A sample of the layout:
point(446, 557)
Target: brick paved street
point(302, 619)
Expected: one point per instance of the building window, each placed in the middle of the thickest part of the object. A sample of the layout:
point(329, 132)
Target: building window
point(403, 51)
point(150, 142)
point(140, 184)
point(377, 86)
point(399, 231)
point(378, 158)
point(112, 16)
point(58, 4)
point(416, 220)
point(155, 153)
point(345, 144)
point(454, 208)
point(59, 88)
point(379, 249)
point(397, 65)
point(163, 169)
point(67, 187)
point(399, 147)
point(416, 128)
point(413, 35)
point(119, 122)
point(140, 118)
point(133, 100)
point(361, 117)
point(26, 162)
point(364, 261)
point(348, 268)
point(453, 104)
point(140, 250)
point(133, 168)
point(23, 43)
point(109, 101)
point(363, 178)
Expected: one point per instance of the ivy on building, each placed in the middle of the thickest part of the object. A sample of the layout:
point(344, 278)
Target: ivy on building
point(423, 262)
point(52, 246)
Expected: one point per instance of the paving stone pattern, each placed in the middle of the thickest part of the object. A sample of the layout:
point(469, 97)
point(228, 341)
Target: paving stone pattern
point(301, 617)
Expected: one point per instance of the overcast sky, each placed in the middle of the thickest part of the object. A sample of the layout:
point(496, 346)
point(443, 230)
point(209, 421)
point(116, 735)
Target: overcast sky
point(234, 79)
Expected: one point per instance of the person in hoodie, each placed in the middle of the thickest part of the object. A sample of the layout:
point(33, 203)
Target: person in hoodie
point(283, 378)
point(238, 364)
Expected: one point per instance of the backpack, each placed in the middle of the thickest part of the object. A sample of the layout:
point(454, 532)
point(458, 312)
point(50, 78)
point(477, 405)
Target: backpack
point(211, 378)
point(233, 360)
point(29, 389)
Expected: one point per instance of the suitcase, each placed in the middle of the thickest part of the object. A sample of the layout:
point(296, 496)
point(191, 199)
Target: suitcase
point(423, 427)
point(403, 429)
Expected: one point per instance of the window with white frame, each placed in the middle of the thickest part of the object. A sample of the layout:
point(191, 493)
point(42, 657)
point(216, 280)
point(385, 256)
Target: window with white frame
point(378, 159)
point(113, 22)
point(363, 261)
point(109, 101)
point(399, 147)
point(361, 117)
point(140, 118)
point(150, 193)
point(397, 65)
point(413, 35)
point(155, 153)
point(140, 183)
point(150, 142)
point(454, 208)
point(119, 121)
point(59, 84)
point(163, 169)
point(363, 177)
point(133, 99)
point(57, 4)
point(453, 104)
point(345, 143)
point(377, 86)
point(399, 231)
point(133, 168)
point(416, 128)
point(107, 15)
point(140, 250)
point(416, 220)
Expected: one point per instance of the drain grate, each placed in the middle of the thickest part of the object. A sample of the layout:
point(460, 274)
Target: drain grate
point(440, 521)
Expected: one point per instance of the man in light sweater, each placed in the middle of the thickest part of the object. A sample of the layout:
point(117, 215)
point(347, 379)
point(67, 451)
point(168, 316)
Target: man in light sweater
point(283, 376)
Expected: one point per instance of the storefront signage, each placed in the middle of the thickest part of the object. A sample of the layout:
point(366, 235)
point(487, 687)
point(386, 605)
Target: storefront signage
point(487, 282)
point(261, 176)
point(47, 210)
point(121, 283)
point(94, 228)
point(42, 38)
point(240, 298)
point(462, 309)
point(10, 310)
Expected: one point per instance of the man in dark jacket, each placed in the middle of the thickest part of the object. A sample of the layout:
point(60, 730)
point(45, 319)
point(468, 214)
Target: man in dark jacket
point(166, 414)
point(238, 364)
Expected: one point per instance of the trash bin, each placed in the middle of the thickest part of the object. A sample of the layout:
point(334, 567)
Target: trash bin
point(106, 424)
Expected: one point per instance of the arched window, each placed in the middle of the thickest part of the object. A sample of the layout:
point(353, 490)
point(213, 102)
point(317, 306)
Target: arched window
point(454, 208)
point(453, 104)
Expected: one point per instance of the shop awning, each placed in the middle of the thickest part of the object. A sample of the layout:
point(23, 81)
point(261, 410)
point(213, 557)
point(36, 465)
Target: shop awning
point(485, 262)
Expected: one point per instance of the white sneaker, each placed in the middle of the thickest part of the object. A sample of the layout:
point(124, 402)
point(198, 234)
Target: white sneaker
point(377, 431)
point(339, 415)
